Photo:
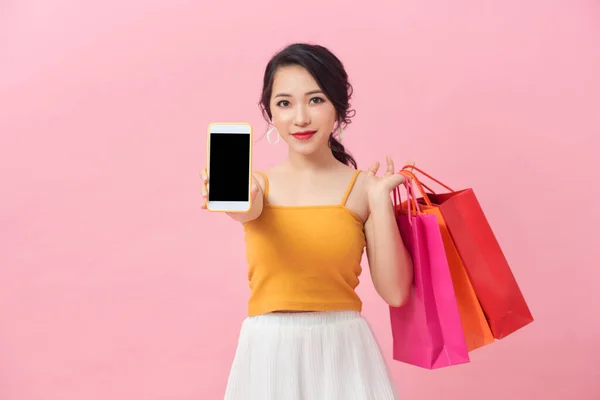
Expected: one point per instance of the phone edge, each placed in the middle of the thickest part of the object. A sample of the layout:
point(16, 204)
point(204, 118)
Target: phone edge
point(251, 162)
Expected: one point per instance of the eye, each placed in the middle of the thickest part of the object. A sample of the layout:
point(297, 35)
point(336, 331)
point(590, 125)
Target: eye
point(283, 103)
point(317, 100)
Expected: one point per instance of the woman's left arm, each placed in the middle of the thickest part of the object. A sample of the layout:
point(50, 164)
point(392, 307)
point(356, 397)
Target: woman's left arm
point(389, 261)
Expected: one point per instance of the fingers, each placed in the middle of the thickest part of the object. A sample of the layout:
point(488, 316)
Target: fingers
point(393, 181)
point(253, 190)
point(372, 171)
point(204, 194)
point(411, 163)
point(390, 165)
point(390, 168)
point(204, 188)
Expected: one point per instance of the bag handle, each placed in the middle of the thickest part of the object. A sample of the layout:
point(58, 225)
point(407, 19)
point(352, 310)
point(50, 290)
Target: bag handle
point(410, 192)
point(404, 168)
point(410, 176)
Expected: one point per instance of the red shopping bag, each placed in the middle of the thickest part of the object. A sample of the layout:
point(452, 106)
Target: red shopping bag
point(491, 276)
point(427, 330)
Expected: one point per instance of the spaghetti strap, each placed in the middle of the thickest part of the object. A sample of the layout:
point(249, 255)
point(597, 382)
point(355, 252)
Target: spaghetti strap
point(350, 186)
point(266, 183)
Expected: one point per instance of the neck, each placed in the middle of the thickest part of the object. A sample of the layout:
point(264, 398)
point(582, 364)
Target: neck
point(320, 160)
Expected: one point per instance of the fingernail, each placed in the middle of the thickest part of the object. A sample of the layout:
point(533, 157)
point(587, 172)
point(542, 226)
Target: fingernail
point(204, 192)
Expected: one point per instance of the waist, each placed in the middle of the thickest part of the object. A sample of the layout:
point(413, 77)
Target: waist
point(314, 306)
point(303, 319)
point(298, 292)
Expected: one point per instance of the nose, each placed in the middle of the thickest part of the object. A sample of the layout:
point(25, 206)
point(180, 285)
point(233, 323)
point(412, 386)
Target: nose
point(302, 117)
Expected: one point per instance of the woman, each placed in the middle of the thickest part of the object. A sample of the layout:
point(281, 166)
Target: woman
point(311, 219)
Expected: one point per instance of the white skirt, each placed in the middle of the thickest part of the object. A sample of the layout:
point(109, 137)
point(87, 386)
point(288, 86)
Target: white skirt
point(309, 356)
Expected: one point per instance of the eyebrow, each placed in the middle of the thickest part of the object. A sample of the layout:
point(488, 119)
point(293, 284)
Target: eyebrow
point(307, 93)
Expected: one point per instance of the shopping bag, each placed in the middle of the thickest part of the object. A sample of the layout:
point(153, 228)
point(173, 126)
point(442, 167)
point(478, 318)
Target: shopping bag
point(475, 326)
point(426, 330)
point(489, 272)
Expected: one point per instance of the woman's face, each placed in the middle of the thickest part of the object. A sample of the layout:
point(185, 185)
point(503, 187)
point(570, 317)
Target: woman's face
point(302, 114)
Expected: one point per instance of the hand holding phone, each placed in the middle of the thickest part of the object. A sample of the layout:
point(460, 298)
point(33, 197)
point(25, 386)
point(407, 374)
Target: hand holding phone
point(227, 181)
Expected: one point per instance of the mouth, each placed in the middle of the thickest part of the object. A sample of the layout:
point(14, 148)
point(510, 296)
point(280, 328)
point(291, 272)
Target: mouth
point(305, 135)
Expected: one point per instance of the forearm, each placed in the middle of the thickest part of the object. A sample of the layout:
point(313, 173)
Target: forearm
point(390, 262)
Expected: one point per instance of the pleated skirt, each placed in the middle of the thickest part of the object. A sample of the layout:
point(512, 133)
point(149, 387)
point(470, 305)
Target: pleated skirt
point(309, 356)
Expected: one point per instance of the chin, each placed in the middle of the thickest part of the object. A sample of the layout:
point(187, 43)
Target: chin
point(308, 147)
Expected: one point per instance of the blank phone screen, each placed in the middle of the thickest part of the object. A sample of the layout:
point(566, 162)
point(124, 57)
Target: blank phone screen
point(229, 167)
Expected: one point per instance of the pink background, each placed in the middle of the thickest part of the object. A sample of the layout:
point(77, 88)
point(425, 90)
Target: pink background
point(115, 285)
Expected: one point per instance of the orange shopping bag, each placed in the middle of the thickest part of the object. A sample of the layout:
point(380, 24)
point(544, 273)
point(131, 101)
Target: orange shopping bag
point(475, 326)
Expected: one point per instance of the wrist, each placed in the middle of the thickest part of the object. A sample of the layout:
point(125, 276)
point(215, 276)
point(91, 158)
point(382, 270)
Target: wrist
point(380, 204)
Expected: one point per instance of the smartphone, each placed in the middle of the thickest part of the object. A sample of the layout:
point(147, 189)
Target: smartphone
point(229, 167)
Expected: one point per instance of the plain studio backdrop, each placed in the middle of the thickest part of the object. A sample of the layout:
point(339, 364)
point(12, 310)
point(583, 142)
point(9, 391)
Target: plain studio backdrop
point(115, 285)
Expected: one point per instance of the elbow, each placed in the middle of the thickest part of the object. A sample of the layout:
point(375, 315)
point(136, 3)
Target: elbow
point(399, 299)
point(400, 295)
point(394, 296)
point(396, 290)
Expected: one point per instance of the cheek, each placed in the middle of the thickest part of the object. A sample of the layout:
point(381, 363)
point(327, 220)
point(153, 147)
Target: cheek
point(325, 116)
point(280, 114)
point(282, 118)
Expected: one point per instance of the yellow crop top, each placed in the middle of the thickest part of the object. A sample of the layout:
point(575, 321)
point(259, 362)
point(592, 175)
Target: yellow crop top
point(304, 258)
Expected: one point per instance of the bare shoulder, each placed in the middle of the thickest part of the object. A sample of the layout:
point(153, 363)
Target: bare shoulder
point(358, 200)
point(278, 173)
point(368, 180)
point(361, 183)
point(261, 176)
point(275, 170)
point(364, 183)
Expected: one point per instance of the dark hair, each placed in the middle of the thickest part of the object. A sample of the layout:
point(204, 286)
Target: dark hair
point(331, 77)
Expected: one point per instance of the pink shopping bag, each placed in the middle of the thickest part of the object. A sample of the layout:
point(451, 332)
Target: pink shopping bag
point(426, 331)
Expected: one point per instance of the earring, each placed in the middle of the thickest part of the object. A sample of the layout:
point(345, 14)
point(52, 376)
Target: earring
point(340, 134)
point(269, 136)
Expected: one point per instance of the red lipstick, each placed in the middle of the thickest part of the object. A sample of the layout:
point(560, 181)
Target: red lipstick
point(305, 135)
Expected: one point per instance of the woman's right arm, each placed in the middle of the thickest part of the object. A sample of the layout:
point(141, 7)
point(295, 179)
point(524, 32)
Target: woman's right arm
point(256, 195)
